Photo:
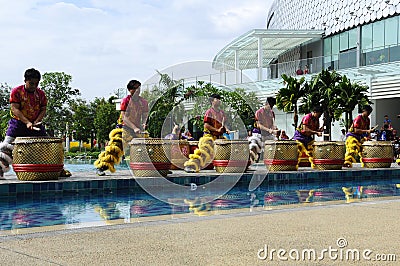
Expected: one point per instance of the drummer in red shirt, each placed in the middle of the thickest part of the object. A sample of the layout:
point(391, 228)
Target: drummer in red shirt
point(358, 133)
point(214, 128)
point(304, 134)
point(265, 119)
point(134, 111)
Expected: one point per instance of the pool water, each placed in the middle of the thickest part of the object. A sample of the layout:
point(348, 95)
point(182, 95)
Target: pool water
point(84, 166)
point(129, 206)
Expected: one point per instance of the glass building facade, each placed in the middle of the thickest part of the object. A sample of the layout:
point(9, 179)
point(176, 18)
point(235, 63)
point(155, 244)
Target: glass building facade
point(379, 42)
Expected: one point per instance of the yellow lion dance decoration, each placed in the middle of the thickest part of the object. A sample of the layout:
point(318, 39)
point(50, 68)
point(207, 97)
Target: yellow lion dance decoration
point(353, 148)
point(308, 151)
point(201, 156)
point(112, 154)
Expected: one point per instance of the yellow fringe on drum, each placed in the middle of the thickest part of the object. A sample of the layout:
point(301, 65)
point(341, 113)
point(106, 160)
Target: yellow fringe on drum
point(308, 152)
point(353, 148)
point(202, 155)
point(113, 152)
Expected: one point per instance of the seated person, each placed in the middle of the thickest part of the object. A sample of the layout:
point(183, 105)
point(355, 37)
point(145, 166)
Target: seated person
point(388, 122)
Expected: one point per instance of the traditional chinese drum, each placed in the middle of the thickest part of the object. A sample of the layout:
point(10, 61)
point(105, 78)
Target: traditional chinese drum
point(193, 145)
point(377, 154)
point(179, 153)
point(328, 155)
point(149, 157)
point(38, 158)
point(281, 155)
point(231, 156)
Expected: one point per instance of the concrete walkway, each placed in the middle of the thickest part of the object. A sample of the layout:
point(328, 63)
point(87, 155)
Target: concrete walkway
point(229, 239)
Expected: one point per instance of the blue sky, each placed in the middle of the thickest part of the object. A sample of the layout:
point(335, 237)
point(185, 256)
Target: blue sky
point(103, 44)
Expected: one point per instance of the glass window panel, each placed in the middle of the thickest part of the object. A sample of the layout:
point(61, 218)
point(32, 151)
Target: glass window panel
point(335, 45)
point(353, 38)
point(344, 40)
point(378, 35)
point(366, 37)
point(391, 31)
point(327, 46)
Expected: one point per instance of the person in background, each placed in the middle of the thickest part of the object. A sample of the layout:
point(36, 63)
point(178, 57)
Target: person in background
point(388, 122)
point(306, 70)
point(187, 135)
point(299, 71)
point(175, 135)
point(386, 133)
point(283, 135)
point(343, 135)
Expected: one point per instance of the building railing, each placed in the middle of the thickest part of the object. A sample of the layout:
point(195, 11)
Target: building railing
point(343, 60)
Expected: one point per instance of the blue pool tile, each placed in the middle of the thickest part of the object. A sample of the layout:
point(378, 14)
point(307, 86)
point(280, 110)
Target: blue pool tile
point(51, 187)
point(12, 188)
point(28, 188)
point(4, 189)
point(44, 187)
point(36, 187)
point(59, 186)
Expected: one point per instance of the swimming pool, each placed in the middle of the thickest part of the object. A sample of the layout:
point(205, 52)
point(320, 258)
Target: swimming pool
point(84, 166)
point(55, 211)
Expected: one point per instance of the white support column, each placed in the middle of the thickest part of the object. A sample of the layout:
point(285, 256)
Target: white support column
point(358, 56)
point(260, 60)
point(237, 71)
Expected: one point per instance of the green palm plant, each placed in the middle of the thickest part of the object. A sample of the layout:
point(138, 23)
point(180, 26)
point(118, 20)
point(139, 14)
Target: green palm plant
point(166, 106)
point(323, 90)
point(350, 95)
point(288, 96)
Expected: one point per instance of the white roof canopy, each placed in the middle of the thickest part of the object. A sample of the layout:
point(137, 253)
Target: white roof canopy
point(258, 47)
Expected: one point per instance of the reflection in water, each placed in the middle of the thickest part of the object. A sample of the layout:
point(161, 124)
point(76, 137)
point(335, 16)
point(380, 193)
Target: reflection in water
point(122, 206)
point(108, 211)
point(36, 217)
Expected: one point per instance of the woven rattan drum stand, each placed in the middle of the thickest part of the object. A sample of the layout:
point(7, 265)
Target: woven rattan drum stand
point(38, 158)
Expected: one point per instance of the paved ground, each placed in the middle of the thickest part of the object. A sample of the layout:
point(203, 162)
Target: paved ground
point(230, 239)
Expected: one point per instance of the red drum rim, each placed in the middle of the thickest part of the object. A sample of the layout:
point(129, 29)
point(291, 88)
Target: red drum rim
point(328, 161)
point(230, 163)
point(39, 168)
point(280, 162)
point(377, 160)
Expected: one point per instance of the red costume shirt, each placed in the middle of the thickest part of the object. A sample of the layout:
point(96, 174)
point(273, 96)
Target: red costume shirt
point(215, 119)
point(133, 110)
point(361, 123)
point(310, 121)
point(265, 118)
point(30, 102)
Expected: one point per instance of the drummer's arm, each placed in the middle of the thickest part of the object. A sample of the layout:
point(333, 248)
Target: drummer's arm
point(129, 123)
point(41, 115)
point(308, 131)
point(211, 128)
point(264, 128)
point(144, 120)
point(17, 112)
point(362, 131)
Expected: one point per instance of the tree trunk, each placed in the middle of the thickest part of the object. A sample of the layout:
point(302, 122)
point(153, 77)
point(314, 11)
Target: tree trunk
point(295, 117)
point(328, 126)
